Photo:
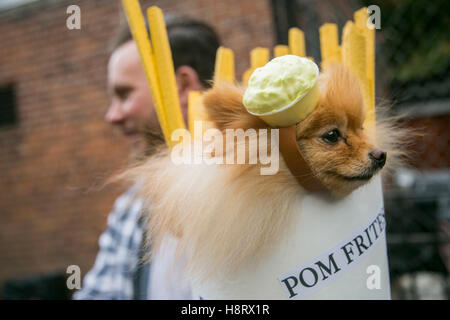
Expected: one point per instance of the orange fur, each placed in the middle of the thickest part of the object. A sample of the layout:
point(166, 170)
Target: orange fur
point(225, 215)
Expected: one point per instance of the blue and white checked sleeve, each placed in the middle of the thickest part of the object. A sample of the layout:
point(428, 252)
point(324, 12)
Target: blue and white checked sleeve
point(116, 264)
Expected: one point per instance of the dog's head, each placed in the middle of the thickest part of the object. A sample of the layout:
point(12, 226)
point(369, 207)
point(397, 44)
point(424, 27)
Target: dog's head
point(341, 152)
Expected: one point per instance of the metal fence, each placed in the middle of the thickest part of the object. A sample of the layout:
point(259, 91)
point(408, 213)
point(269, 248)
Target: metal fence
point(418, 219)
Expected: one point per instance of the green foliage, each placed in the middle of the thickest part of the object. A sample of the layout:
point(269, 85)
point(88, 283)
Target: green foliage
point(415, 38)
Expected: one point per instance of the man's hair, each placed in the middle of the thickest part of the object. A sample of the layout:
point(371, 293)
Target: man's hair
point(193, 43)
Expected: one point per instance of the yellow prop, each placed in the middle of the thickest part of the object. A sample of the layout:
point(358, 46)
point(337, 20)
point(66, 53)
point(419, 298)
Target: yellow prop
point(197, 112)
point(158, 65)
point(297, 42)
point(246, 76)
point(224, 67)
point(368, 30)
point(354, 55)
point(280, 50)
point(258, 58)
point(329, 44)
point(223, 72)
point(357, 52)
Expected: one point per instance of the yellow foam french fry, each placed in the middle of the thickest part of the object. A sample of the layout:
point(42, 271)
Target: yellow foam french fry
point(370, 62)
point(193, 105)
point(280, 50)
point(197, 112)
point(365, 26)
point(246, 76)
point(162, 58)
point(362, 22)
point(354, 57)
point(329, 44)
point(296, 40)
point(259, 57)
point(354, 50)
point(224, 65)
point(136, 23)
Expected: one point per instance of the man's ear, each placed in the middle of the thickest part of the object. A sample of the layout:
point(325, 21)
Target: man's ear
point(187, 80)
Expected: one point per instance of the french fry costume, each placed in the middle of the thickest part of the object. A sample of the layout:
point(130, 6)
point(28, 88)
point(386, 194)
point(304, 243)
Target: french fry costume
point(338, 248)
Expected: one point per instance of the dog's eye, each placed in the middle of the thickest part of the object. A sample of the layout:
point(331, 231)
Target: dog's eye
point(332, 136)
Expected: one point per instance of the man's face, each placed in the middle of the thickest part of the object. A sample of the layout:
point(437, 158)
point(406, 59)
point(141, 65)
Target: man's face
point(131, 106)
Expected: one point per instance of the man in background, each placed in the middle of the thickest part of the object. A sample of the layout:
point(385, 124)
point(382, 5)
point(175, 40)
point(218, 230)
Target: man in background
point(118, 272)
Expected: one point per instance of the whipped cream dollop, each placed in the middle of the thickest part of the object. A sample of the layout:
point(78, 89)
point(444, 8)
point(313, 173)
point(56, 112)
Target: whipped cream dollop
point(280, 82)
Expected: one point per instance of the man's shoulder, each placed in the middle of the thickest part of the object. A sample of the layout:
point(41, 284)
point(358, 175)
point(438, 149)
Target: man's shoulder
point(128, 203)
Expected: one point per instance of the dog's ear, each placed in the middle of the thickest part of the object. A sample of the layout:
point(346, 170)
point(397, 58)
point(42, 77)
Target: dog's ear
point(223, 104)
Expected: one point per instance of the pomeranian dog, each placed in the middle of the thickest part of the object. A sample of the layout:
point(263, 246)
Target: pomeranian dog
point(226, 215)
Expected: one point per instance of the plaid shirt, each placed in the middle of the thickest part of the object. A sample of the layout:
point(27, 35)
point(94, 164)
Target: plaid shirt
point(117, 273)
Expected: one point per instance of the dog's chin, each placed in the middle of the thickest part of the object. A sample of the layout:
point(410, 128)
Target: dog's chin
point(341, 185)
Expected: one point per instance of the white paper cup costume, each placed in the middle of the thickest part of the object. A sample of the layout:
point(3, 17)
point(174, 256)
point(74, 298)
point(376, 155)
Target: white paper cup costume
point(344, 258)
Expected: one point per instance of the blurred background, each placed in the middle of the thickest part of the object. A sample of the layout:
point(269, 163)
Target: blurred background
point(56, 150)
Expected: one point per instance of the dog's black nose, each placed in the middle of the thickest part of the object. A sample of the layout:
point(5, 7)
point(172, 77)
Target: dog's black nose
point(378, 157)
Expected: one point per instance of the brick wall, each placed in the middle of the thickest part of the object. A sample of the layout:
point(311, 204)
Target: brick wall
point(55, 159)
